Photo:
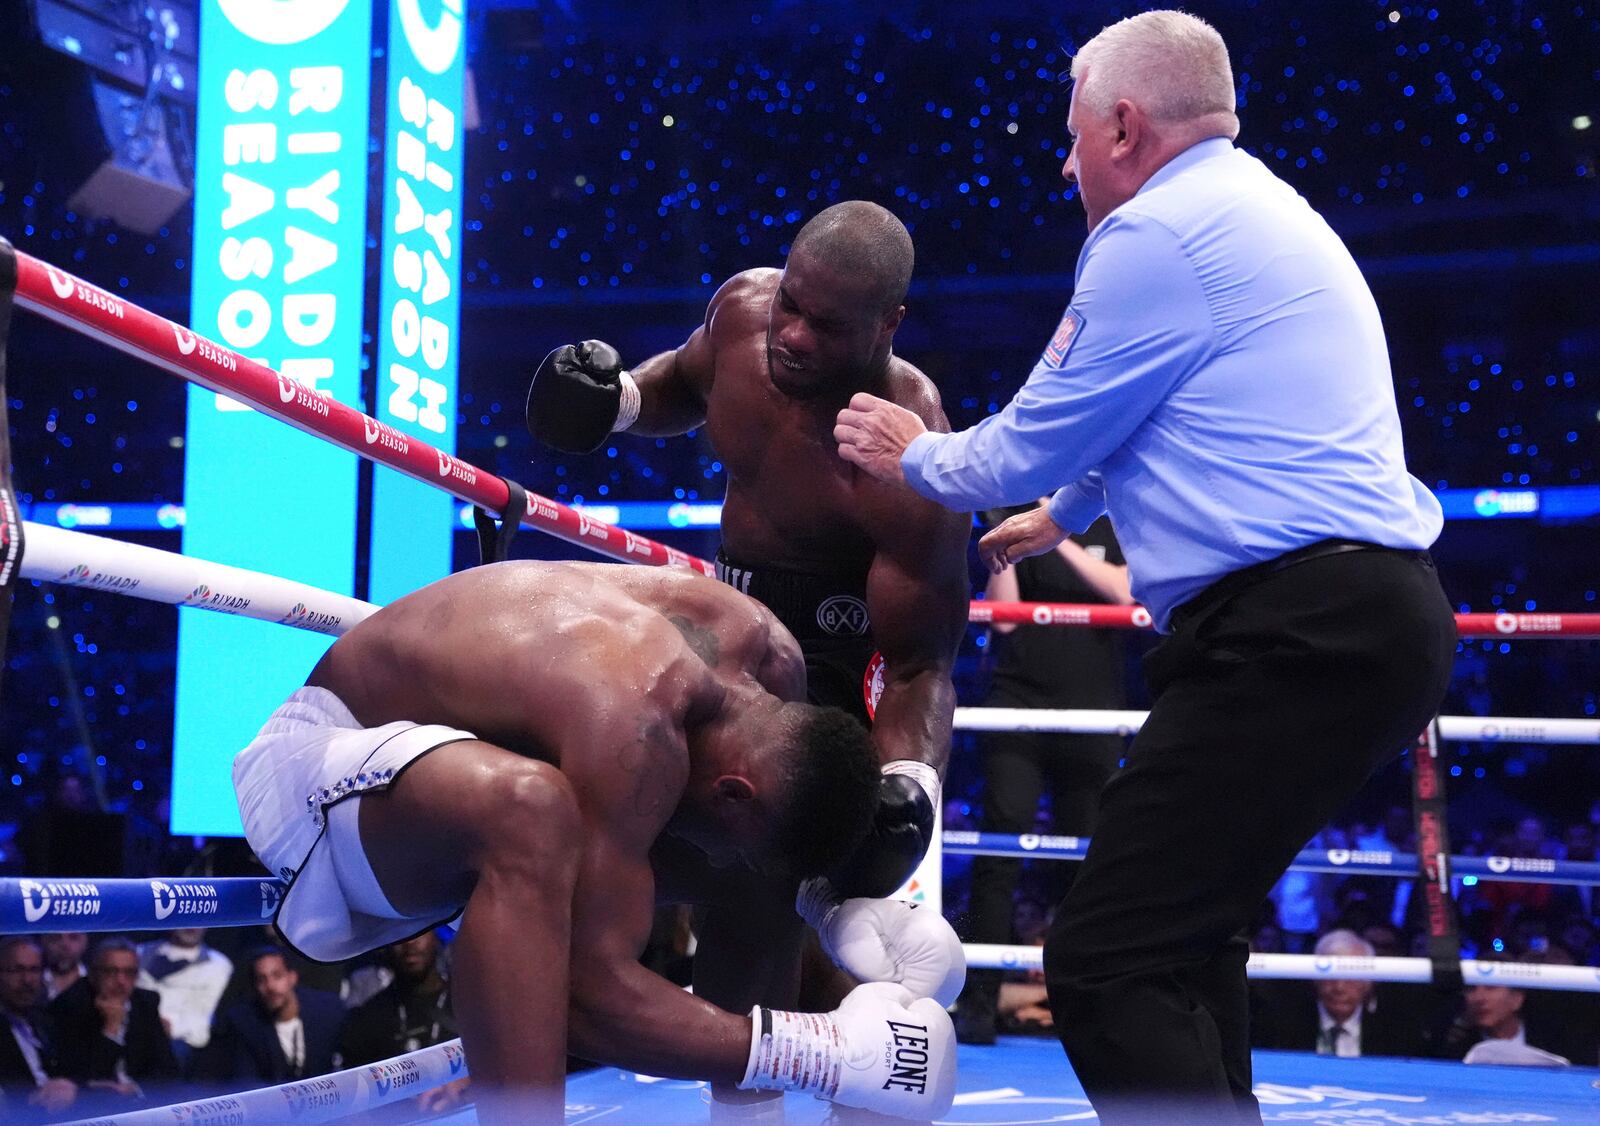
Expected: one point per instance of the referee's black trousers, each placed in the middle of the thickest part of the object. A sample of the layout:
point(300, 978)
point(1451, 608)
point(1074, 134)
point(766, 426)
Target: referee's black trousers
point(1272, 706)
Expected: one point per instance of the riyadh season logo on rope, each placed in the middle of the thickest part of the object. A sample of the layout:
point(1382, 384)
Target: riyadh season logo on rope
point(394, 1075)
point(310, 1095)
point(58, 900)
point(183, 899)
point(271, 896)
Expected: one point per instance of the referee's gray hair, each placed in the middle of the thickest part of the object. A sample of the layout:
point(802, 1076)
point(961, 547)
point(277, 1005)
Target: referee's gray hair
point(1344, 942)
point(1170, 64)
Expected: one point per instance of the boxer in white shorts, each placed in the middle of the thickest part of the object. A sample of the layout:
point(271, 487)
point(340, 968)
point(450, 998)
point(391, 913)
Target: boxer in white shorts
point(547, 749)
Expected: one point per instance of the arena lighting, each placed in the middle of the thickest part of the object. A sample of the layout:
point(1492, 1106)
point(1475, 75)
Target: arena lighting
point(137, 184)
point(122, 79)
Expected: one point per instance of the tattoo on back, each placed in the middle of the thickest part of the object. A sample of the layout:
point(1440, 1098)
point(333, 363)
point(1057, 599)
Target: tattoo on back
point(703, 641)
point(651, 761)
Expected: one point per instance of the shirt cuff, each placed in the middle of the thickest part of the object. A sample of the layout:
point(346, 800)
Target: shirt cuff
point(914, 457)
point(1078, 505)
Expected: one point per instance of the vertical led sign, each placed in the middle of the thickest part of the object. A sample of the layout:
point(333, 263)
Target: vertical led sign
point(280, 238)
point(419, 308)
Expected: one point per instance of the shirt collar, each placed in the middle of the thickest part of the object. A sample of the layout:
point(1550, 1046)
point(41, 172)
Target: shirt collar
point(1352, 1026)
point(1212, 148)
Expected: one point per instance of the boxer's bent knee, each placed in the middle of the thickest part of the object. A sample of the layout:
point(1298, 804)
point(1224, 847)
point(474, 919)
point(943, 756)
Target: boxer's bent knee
point(534, 827)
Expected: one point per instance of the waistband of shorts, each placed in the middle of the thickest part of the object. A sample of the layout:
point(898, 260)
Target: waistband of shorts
point(813, 605)
point(1236, 582)
point(313, 706)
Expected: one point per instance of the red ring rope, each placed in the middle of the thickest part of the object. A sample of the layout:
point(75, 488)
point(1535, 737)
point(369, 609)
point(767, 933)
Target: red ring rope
point(70, 301)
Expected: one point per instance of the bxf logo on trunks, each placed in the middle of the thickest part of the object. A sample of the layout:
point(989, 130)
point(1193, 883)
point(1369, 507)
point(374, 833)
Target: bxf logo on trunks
point(186, 900)
point(907, 1057)
point(843, 615)
point(395, 1075)
point(310, 1095)
point(43, 898)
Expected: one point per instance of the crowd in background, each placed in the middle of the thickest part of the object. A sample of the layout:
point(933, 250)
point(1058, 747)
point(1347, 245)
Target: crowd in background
point(99, 1024)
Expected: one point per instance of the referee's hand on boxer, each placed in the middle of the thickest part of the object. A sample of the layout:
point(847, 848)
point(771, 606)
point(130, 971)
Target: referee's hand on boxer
point(872, 434)
point(1027, 533)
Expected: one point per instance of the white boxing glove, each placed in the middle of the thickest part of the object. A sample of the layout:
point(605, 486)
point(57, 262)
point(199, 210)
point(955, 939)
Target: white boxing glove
point(880, 1050)
point(886, 940)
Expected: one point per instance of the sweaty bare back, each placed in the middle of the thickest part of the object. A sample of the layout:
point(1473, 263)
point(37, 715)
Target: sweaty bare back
point(522, 653)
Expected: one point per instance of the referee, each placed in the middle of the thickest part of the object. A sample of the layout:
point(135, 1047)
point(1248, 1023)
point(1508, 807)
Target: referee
point(1220, 385)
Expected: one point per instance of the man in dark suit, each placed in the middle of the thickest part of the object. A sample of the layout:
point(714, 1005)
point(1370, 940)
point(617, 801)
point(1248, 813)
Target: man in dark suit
point(30, 1081)
point(282, 1033)
point(109, 1034)
point(1337, 1017)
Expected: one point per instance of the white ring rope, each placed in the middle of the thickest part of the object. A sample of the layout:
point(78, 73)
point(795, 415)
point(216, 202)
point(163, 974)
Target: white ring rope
point(1574, 979)
point(1460, 728)
point(55, 555)
point(326, 1097)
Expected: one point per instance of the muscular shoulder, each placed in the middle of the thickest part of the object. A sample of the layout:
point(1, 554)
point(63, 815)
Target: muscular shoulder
point(741, 300)
point(910, 388)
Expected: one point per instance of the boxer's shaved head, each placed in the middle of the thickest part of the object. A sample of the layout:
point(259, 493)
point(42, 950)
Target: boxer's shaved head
point(863, 241)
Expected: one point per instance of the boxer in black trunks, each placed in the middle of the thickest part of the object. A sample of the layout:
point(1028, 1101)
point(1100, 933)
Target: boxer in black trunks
point(853, 567)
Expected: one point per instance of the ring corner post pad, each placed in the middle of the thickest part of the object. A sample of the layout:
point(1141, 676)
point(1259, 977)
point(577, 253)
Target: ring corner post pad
point(10, 517)
point(494, 543)
point(1433, 859)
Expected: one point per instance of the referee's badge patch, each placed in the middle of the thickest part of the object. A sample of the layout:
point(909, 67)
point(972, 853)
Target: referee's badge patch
point(1055, 353)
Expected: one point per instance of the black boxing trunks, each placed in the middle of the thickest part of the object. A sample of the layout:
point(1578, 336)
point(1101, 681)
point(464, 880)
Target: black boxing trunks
point(827, 613)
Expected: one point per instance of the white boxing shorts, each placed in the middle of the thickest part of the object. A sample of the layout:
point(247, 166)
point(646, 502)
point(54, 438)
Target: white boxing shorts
point(299, 784)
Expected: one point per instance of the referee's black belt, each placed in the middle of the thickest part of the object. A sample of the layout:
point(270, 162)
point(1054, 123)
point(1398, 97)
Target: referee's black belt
point(1236, 582)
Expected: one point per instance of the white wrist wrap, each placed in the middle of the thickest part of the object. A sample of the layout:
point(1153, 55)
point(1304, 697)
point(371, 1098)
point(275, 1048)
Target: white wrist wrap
point(794, 1052)
point(923, 774)
point(815, 899)
point(628, 408)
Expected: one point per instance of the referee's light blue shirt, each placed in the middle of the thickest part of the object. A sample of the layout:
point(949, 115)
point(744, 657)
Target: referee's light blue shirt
point(1219, 384)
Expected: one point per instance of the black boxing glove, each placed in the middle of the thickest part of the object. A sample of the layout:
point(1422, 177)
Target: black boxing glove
point(579, 396)
point(902, 829)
